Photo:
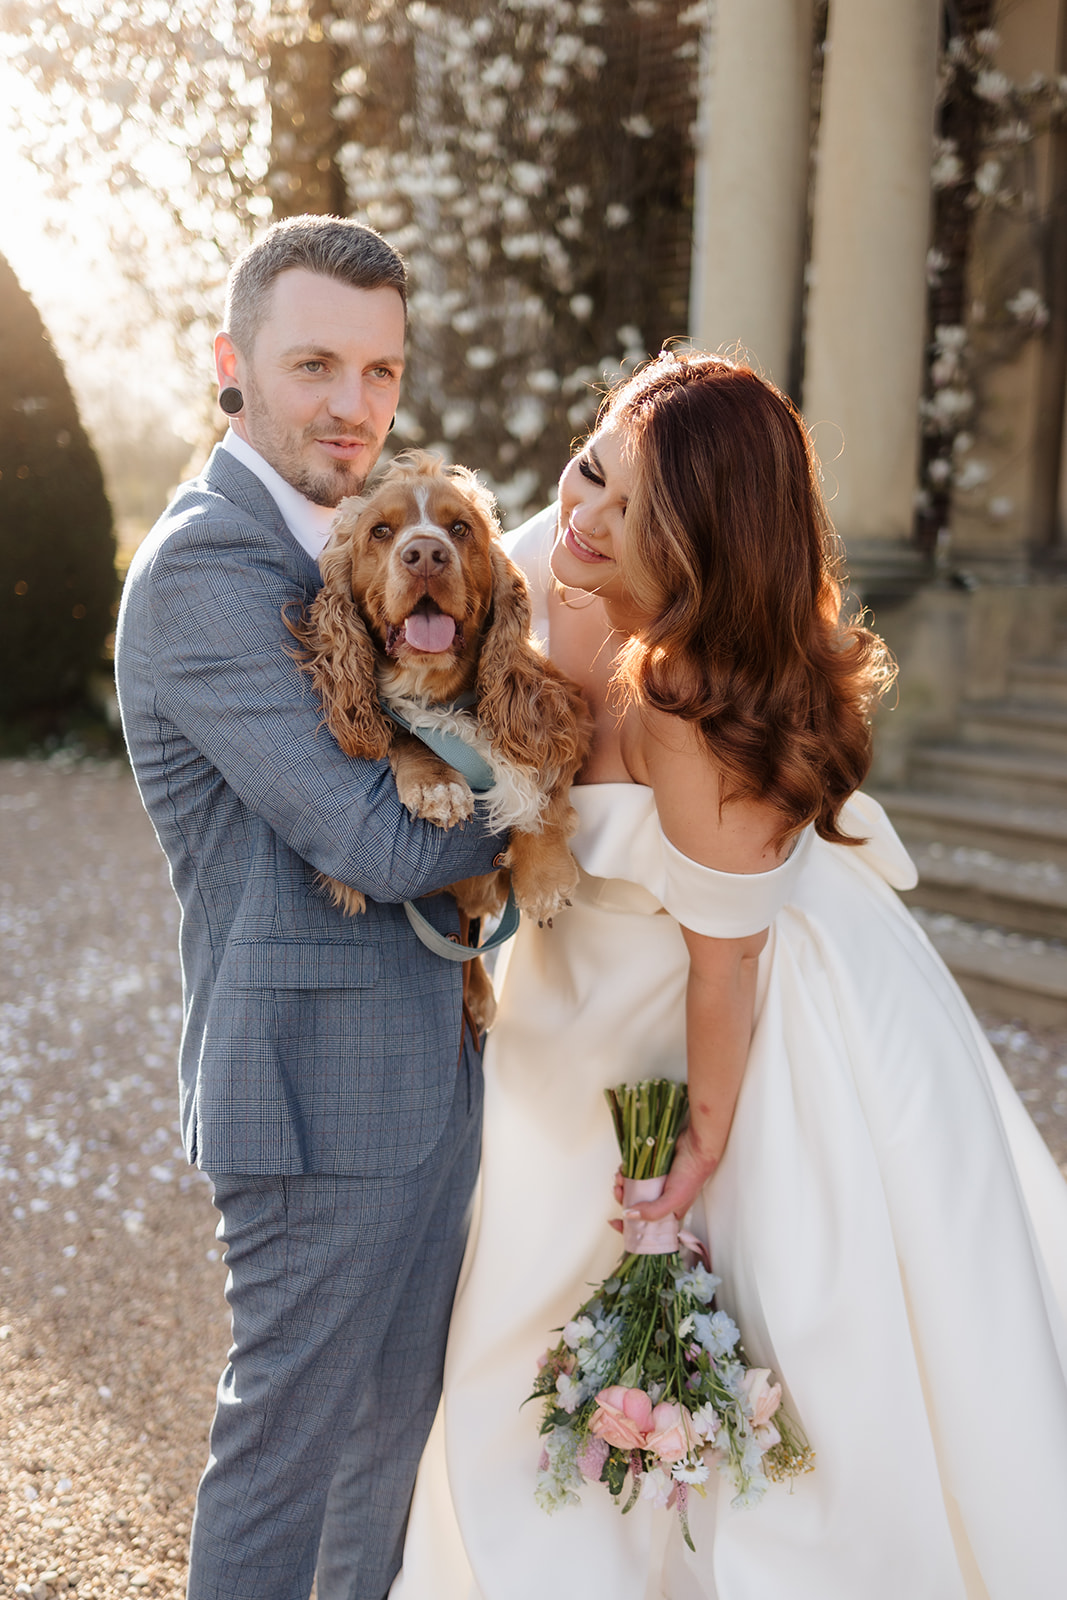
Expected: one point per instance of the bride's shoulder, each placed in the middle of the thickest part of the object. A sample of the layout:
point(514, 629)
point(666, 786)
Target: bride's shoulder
point(530, 545)
point(672, 757)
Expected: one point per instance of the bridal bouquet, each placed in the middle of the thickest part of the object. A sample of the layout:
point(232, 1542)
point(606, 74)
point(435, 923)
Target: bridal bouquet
point(649, 1381)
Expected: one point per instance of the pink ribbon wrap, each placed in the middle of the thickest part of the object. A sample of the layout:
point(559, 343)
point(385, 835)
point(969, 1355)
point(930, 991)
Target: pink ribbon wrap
point(641, 1238)
point(662, 1238)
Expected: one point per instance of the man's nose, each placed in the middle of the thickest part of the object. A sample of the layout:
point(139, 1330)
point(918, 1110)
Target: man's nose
point(348, 399)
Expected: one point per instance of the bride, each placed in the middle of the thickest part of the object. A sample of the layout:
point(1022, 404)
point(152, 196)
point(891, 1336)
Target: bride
point(890, 1231)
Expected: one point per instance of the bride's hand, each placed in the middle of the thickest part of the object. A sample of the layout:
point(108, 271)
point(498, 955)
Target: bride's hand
point(689, 1172)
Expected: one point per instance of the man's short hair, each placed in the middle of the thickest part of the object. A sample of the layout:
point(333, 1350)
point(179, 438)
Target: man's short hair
point(336, 247)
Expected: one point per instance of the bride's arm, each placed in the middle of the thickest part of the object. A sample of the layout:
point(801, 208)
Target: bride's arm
point(721, 989)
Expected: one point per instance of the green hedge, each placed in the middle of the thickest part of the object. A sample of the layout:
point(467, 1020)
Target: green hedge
point(57, 547)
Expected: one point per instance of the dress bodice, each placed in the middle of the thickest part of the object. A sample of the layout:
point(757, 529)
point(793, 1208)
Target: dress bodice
point(628, 864)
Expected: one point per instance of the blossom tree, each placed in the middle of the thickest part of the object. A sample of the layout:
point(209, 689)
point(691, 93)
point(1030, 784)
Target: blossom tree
point(984, 190)
point(532, 159)
point(534, 162)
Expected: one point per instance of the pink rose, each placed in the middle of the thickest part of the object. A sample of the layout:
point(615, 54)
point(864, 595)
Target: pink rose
point(622, 1418)
point(764, 1397)
point(671, 1438)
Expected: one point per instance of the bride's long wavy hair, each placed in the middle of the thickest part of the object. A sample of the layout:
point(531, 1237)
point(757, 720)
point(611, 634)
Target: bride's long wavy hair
point(730, 549)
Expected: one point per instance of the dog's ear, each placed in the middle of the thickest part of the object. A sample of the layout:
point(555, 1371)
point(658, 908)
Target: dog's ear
point(337, 652)
point(531, 713)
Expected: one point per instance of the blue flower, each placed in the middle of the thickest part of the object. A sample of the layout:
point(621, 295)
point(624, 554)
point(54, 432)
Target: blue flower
point(718, 1333)
point(698, 1282)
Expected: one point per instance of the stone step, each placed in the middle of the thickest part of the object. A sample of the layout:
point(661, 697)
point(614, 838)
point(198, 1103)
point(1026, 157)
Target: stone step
point(1042, 682)
point(1026, 896)
point(1007, 972)
point(1015, 724)
point(1021, 777)
point(1018, 832)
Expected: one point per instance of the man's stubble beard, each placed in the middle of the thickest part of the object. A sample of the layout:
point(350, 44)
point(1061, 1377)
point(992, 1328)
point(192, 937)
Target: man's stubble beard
point(281, 451)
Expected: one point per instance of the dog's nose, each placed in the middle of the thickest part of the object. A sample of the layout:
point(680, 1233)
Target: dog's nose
point(426, 555)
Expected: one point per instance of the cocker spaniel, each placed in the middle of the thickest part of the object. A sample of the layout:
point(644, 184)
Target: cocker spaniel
point(422, 611)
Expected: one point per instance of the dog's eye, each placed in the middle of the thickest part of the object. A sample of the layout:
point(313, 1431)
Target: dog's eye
point(381, 530)
point(460, 530)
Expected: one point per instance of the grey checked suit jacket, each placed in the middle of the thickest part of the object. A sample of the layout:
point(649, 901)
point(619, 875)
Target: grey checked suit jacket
point(312, 1041)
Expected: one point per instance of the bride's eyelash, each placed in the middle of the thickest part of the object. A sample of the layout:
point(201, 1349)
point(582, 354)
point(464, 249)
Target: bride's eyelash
point(586, 470)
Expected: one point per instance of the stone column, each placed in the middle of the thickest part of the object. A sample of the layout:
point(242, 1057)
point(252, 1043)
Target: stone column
point(865, 322)
point(751, 182)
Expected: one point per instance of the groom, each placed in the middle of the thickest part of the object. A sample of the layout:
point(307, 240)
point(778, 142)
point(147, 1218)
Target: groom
point(327, 1084)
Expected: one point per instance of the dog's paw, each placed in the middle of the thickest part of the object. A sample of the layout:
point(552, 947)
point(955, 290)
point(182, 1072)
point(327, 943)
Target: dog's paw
point(544, 887)
point(446, 804)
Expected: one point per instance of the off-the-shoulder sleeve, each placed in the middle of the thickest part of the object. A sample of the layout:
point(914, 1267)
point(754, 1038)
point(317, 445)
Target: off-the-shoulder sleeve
point(727, 905)
point(530, 547)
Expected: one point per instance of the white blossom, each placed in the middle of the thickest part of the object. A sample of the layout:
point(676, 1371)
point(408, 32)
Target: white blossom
point(936, 262)
point(575, 1332)
point(993, 86)
point(987, 178)
point(1028, 306)
point(656, 1486)
point(527, 177)
point(948, 407)
point(571, 1392)
point(705, 1421)
point(947, 167)
point(522, 246)
point(972, 475)
point(456, 417)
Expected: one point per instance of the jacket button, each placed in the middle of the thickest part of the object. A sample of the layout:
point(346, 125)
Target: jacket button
point(500, 860)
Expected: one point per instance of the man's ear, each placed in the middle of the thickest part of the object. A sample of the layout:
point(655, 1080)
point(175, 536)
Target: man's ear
point(227, 362)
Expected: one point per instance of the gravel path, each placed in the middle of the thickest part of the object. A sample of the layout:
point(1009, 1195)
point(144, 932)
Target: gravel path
point(113, 1326)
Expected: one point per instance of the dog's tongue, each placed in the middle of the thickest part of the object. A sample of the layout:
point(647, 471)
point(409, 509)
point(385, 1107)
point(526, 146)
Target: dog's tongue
point(431, 631)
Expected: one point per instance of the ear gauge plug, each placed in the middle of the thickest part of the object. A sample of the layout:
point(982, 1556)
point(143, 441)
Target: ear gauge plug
point(231, 401)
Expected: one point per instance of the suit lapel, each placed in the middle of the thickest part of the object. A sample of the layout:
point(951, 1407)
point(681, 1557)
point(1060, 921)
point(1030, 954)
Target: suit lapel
point(225, 475)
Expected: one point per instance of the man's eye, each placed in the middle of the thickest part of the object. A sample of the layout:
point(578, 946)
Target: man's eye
point(314, 367)
point(460, 530)
point(381, 530)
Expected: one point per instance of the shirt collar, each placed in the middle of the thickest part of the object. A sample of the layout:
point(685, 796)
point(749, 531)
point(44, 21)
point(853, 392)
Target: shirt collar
point(308, 523)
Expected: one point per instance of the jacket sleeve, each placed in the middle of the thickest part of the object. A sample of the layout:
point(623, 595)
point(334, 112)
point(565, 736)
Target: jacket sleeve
point(224, 678)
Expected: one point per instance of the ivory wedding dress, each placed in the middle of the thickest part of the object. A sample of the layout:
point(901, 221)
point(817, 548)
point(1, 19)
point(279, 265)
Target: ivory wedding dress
point(890, 1231)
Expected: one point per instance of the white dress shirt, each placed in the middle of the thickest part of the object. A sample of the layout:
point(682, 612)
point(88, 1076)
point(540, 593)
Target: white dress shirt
point(308, 523)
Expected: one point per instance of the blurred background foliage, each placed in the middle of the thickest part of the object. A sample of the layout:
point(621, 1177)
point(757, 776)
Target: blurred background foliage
point(58, 582)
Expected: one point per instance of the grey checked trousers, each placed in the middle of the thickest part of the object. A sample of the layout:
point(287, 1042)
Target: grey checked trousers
point(341, 1291)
